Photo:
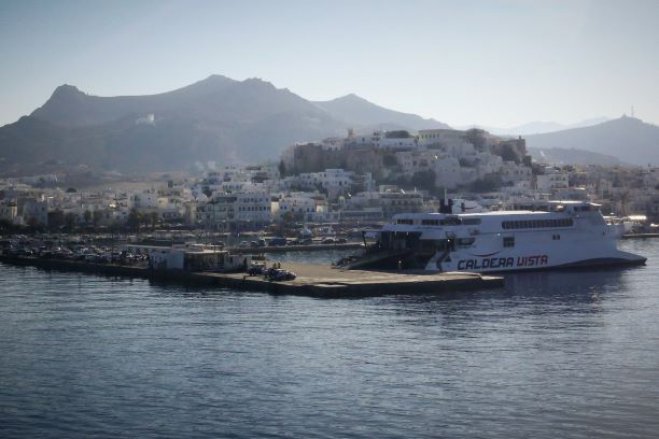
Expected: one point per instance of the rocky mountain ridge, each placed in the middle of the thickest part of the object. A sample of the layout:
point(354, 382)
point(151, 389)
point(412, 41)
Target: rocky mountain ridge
point(238, 122)
point(628, 139)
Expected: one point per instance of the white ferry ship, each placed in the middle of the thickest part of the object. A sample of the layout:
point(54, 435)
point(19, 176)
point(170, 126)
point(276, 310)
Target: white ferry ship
point(568, 234)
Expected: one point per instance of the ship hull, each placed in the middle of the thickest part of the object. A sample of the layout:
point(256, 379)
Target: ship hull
point(596, 263)
point(533, 260)
point(573, 235)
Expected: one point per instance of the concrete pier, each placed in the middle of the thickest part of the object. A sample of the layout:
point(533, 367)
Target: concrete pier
point(639, 235)
point(323, 281)
point(312, 280)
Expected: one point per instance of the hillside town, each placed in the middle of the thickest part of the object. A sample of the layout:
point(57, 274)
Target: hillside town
point(353, 181)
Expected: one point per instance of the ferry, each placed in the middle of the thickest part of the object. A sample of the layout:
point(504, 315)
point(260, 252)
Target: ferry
point(565, 234)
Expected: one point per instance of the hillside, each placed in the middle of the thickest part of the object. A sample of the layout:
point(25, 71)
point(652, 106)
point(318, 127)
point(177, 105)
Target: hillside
point(217, 119)
point(539, 127)
point(564, 156)
point(353, 109)
point(628, 139)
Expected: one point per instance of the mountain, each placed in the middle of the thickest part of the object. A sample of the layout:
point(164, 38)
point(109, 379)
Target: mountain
point(353, 109)
point(628, 139)
point(564, 156)
point(539, 127)
point(68, 106)
point(217, 119)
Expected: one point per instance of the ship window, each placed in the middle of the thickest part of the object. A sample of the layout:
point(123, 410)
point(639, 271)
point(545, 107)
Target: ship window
point(565, 222)
point(471, 221)
point(465, 242)
point(450, 221)
point(405, 221)
point(556, 237)
point(429, 222)
point(509, 241)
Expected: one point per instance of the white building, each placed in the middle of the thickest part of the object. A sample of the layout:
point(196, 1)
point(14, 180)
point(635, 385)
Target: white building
point(253, 208)
point(511, 172)
point(303, 205)
point(8, 211)
point(34, 211)
point(487, 163)
point(552, 180)
point(451, 142)
point(414, 161)
point(448, 173)
point(335, 182)
point(243, 210)
point(144, 200)
point(387, 140)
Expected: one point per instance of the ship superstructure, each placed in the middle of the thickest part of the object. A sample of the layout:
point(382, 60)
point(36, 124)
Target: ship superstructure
point(567, 234)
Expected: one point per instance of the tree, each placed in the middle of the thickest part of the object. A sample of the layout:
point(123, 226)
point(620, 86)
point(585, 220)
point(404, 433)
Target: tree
point(490, 182)
point(207, 191)
point(389, 161)
point(134, 219)
point(424, 180)
point(96, 217)
point(476, 137)
point(153, 219)
point(56, 219)
point(6, 225)
point(69, 220)
point(509, 154)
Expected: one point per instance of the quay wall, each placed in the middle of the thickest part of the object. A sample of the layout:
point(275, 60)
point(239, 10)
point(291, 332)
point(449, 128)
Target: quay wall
point(640, 235)
point(293, 248)
point(327, 285)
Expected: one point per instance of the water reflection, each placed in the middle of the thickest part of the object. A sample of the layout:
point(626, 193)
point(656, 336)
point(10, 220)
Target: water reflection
point(540, 303)
point(553, 354)
point(568, 284)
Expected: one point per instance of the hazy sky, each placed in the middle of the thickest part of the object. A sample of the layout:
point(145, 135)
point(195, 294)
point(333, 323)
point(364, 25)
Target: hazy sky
point(495, 63)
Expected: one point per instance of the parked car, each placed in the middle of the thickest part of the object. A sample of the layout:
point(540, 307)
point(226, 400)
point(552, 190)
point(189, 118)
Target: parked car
point(279, 275)
point(256, 270)
point(277, 241)
point(300, 241)
point(328, 241)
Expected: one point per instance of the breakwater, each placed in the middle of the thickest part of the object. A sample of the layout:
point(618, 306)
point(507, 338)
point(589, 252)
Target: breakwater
point(297, 248)
point(312, 280)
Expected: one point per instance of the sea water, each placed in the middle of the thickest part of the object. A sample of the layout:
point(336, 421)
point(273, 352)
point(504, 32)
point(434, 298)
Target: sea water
point(571, 354)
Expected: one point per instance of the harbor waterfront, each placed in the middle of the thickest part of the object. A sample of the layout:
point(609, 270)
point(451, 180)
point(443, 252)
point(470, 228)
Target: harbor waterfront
point(570, 354)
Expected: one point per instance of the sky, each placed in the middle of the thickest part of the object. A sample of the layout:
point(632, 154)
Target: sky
point(497, 63)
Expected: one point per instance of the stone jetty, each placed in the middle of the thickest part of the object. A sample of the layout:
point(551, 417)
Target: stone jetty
point(312, 280)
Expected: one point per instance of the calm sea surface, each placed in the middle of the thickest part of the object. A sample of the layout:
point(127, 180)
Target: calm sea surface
point(553, 355)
